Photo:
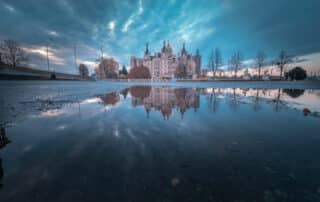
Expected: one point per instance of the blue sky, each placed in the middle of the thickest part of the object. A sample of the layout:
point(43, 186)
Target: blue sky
point(121, 28)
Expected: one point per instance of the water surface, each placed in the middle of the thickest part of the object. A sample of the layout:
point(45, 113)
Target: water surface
point(149, 143)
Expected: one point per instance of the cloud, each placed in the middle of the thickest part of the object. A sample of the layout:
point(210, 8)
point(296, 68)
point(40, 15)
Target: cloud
point(127, 24)
point(9, 8)
point(112, 25)
point(53, 33)
point(42, 52)
point(132, 18)
point(140, 10)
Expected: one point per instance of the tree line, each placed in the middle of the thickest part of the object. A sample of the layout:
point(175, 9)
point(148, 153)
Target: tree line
point(236, 61)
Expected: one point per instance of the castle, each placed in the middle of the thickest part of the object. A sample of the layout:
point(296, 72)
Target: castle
point(165, 64)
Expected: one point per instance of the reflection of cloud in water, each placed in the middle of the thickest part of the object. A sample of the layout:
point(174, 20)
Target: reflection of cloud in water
point(62, 127)
point(91, 100)
point(27, 148)
point(130, 134)
point(52, 113)
point(116, 131)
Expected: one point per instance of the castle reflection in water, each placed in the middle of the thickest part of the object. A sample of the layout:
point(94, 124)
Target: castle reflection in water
point(167, 99)
point(162, 99)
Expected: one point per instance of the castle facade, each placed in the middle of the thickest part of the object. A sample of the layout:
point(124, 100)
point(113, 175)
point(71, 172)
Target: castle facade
point(165, 64)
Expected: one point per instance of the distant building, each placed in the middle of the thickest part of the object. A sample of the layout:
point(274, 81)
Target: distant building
point(164, 64)
point(107, 69)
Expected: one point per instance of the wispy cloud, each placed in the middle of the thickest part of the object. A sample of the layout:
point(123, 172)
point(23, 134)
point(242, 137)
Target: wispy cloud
point(53, 33)
point(9, 8)
point(133, 17)
point(127, 24)
point(140, 10)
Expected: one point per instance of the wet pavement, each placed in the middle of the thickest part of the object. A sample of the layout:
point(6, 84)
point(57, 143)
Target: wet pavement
point(161, 143)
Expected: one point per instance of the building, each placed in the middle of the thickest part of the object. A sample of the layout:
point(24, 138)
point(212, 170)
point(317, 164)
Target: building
point(165, 63)
point(107, 69)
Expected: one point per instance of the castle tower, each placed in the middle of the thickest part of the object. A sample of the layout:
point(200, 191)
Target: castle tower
point(147, 49)
point(147, 53)
point(163, 50)
point(184, 51)
point(197, 59)
point(169, 49)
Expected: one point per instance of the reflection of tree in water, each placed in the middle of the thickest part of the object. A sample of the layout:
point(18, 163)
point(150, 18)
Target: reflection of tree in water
point(213, 101)
point(277, 101)
point(245, 91)
point(233, 101)
point(256, 103)
point(140, 91)
point(110, 99)
point(294, 93)
point(3, 142)
point(124, 93)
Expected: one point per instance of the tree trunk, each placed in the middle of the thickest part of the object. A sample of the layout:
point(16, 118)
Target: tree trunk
point(259, 74)
point(281, 70)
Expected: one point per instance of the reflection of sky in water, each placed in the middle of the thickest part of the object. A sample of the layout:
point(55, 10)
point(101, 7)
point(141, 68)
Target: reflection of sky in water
point(223, 144)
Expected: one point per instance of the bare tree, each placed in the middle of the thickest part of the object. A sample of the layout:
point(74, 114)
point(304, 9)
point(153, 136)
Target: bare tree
point(282, 61)
point(236, 62)
point(12, 53)
point(211, 62)
point(260, 60)
point(217, 60)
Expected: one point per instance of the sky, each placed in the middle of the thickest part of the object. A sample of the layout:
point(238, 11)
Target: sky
point(122, 28)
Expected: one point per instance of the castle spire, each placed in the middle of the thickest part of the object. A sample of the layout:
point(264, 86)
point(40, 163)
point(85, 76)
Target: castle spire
point(183, 51)
point(147, 49)
point(164, 47)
